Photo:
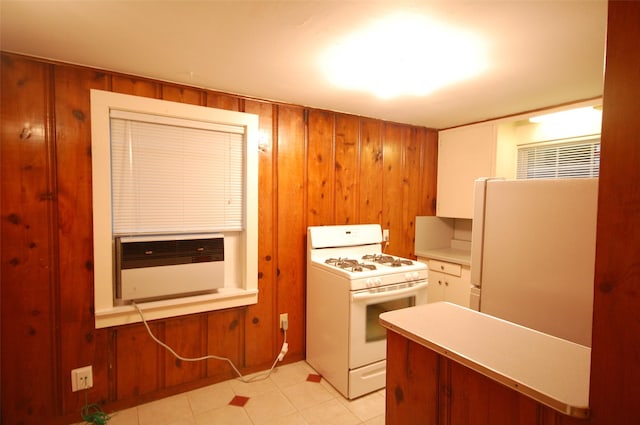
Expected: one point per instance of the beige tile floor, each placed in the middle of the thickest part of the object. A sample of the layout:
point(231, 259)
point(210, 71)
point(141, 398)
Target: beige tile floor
point(284, 398)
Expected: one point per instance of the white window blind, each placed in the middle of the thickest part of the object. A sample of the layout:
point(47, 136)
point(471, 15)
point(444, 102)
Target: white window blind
point(173, 175)
point(577, 158)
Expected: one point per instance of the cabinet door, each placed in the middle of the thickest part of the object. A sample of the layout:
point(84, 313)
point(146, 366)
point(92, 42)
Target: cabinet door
point(458, 290)
point(435, 290)
point(446, 287)
point(464, 154)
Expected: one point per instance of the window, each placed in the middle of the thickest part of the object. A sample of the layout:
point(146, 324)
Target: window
point(178, 187)
point(563, 159)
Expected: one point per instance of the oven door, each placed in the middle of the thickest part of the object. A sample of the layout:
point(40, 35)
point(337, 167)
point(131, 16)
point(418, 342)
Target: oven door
point(368, 339)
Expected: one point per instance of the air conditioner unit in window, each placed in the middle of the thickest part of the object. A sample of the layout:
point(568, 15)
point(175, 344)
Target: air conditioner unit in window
point(168, 266)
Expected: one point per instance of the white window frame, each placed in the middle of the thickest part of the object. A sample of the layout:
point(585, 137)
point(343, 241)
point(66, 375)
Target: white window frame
point(241, 275)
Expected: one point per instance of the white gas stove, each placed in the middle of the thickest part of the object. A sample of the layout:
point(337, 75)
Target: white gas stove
point(350, 282)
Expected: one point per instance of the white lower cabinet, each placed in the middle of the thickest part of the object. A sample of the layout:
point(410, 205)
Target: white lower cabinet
point(448, 282)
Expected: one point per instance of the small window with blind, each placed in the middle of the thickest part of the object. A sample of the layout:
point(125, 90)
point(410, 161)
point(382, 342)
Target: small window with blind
point(560, 159)
point(169, 168)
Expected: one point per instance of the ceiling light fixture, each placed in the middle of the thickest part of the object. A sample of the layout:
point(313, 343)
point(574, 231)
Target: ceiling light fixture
point(404, 55)
point(578, 115)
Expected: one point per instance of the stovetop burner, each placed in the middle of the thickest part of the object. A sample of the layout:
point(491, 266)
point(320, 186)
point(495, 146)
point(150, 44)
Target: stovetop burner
point(388, 260)
point(349, 264)
point(366, 264)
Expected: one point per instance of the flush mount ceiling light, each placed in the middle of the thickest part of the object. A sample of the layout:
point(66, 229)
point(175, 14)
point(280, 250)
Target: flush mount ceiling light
point(404, 55)
point(570, 116)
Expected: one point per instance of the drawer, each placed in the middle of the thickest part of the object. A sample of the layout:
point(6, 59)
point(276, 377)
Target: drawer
point(444, 267)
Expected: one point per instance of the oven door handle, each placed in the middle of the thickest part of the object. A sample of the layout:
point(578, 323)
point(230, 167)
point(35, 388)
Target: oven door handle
point(366, 295)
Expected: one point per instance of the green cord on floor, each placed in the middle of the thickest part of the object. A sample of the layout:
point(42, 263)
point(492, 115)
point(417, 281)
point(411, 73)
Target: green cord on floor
point(93, 413)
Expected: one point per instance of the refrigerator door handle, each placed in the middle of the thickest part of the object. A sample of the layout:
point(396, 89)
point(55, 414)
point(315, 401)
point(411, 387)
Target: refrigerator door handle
point(477, 231)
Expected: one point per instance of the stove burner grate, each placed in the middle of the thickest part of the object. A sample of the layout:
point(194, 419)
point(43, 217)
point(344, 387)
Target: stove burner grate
point(388, 260)
point(349, 264)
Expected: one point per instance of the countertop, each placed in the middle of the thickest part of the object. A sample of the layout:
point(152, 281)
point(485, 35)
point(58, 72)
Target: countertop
point(452, 255)
point(550, 370)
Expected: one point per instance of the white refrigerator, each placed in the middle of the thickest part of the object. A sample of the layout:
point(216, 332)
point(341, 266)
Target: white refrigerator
point(533, 253)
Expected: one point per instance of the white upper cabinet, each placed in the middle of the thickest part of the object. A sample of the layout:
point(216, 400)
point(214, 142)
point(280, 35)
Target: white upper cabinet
point(465, 154)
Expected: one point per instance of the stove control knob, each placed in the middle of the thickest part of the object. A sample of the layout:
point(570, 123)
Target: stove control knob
point(411, 276)
point(372, 282)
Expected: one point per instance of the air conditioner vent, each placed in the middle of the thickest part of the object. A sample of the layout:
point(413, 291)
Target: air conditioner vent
point(172, 252)
point(158, 267)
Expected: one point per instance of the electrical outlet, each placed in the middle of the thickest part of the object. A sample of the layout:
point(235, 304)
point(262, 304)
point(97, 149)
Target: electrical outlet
point(81, 378)
point(385, 235)
point(284, 321)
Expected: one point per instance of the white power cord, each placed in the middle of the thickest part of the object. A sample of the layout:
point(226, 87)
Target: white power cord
point(263, 375)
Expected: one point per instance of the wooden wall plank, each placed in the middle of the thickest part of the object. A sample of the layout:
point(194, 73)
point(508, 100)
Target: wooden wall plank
point(83, 345)
point(291, 207)
point(411, 185)
point(429, 172)
point(225, 329)
point(261, 324)
point(137, 365)
point(135, 86)
point(28, 244)
point(371, 162)
point(183, 94)
point(347, 183)
point(185, 336)
point(222, 101)
point(394, 202)
point(321, 168)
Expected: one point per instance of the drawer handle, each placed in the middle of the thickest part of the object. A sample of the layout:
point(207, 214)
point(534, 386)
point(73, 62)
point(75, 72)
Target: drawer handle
point(446, 283)
point(148, 252)
point(441, 267)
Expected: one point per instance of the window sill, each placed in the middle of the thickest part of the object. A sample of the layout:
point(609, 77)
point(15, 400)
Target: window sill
point(225, 298)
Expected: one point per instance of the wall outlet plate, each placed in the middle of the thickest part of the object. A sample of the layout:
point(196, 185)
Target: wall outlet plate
point(81, 378)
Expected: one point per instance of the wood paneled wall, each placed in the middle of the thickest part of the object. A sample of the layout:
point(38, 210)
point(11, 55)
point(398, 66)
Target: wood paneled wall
point(322, 168)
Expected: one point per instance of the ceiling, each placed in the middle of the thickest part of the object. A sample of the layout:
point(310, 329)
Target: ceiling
point(540, 53)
